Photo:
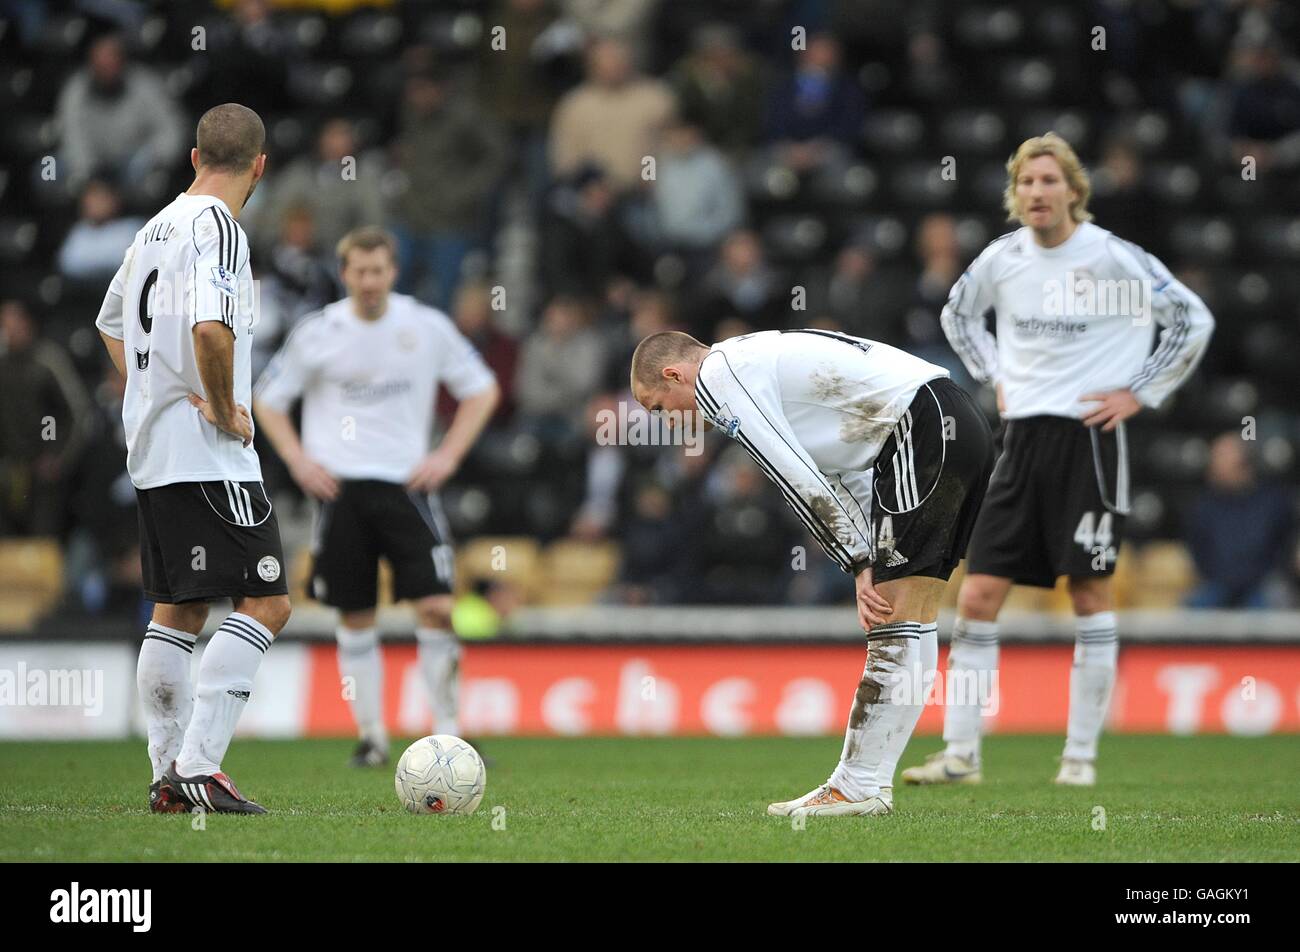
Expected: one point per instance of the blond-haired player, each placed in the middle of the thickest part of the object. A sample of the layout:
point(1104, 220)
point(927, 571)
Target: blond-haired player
point(1077, 310)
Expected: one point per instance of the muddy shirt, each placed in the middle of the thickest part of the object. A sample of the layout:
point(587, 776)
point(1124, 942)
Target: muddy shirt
point(814, 408)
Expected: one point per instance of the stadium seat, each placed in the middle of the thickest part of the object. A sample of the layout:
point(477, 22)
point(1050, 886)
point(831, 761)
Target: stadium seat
point(893, 131)
point(974, 130)
point(1072, 125)
point(31, 579)
point(1165, 574)
point(576, 572)
point(514, 558)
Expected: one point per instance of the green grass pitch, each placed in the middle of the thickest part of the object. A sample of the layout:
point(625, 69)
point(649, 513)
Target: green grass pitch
point(1164, 799)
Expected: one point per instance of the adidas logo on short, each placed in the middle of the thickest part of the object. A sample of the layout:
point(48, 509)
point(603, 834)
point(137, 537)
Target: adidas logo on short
point(895, 559)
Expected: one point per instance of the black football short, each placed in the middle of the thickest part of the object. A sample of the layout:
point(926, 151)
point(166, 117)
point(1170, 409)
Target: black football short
point(1056, 503)
point(201, 541)
point(929, 481)
point(371, 518)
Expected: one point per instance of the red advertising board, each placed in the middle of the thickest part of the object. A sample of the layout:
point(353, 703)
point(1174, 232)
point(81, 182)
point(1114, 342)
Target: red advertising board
point(736, 690)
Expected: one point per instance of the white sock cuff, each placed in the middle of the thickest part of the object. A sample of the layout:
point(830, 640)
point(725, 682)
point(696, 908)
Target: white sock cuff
point(975, 632)
point(246, 628)
point(907, 630)
point(1098, 627)
point(434, 636)
point(172, 636)
point(356, 640)
point(1093, 654)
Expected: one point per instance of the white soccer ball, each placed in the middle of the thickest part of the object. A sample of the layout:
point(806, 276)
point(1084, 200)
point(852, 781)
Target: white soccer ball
point(440, 774)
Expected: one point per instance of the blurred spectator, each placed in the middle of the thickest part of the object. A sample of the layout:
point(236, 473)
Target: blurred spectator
point(1119, 200)
point(1240, 532)
point(248, 59)
point(1264, 105)
point(931, 78)
point(520, 86)
point(117, 119)
point(613, 119)
point(451, 156)
point(719, 88)
point(605, 468)
point(814, 117)
point(856, 295)
point(43, 426)
point(650, 312)
point(339, 196)
point(302, 272)
point(941, 262)
point(654, 568)
point(94, 247)
point(741, 284)
point(584, 244)
point(696, 196)
point(102, 558)
point(560, 368)
point(474, 318)
point(747, 537)
point(628, 21)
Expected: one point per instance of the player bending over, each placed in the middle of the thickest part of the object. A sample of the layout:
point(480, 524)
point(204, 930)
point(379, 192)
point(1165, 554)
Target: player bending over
point(885, 460)
point(1077, 309)
point(367, 369)
point(178, 323)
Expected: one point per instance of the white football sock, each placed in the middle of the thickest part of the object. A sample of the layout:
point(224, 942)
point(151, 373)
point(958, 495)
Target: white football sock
point(1096, 651)
point(972, 664)
point(901, 659)
point(162, 678)
point(226, 673)
point(438, 652)
point(360, 661)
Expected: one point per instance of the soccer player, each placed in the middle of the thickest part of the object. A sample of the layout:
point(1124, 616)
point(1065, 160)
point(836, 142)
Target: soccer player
point(1077, 310)
point(885, 460)
point(178, 322)
point(367, 369)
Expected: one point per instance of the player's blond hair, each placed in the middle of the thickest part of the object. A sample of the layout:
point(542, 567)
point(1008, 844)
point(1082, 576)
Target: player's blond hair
point(656, 352)
point(1076, 176)
point(365, 238)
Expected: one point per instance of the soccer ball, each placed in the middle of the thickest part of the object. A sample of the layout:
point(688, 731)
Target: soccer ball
point(440, 774)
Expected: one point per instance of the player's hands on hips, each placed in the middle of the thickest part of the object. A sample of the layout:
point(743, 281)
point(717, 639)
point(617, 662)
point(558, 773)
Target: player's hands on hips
point(872, 608)
point(240, 425)
point(314, 479)
point(1116, 406)
point(434, 470)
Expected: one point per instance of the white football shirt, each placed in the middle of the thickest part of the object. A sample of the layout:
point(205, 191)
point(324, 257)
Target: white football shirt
point(814, 409)
point(368, 387)
point(188, 264)
point(1075, 319)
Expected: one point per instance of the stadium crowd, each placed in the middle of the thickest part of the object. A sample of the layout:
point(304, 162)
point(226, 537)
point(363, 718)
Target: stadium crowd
point(566, 177)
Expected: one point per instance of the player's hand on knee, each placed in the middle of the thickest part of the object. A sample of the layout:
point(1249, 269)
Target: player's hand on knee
point(873, 609)
point(240, 425)
point(314, 479)
point(1115, 406)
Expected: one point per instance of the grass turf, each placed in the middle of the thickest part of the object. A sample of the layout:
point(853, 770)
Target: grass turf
point(1164, 799)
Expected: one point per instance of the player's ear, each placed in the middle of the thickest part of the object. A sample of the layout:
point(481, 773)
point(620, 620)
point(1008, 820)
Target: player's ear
point(259, 167)
point(194, 158)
